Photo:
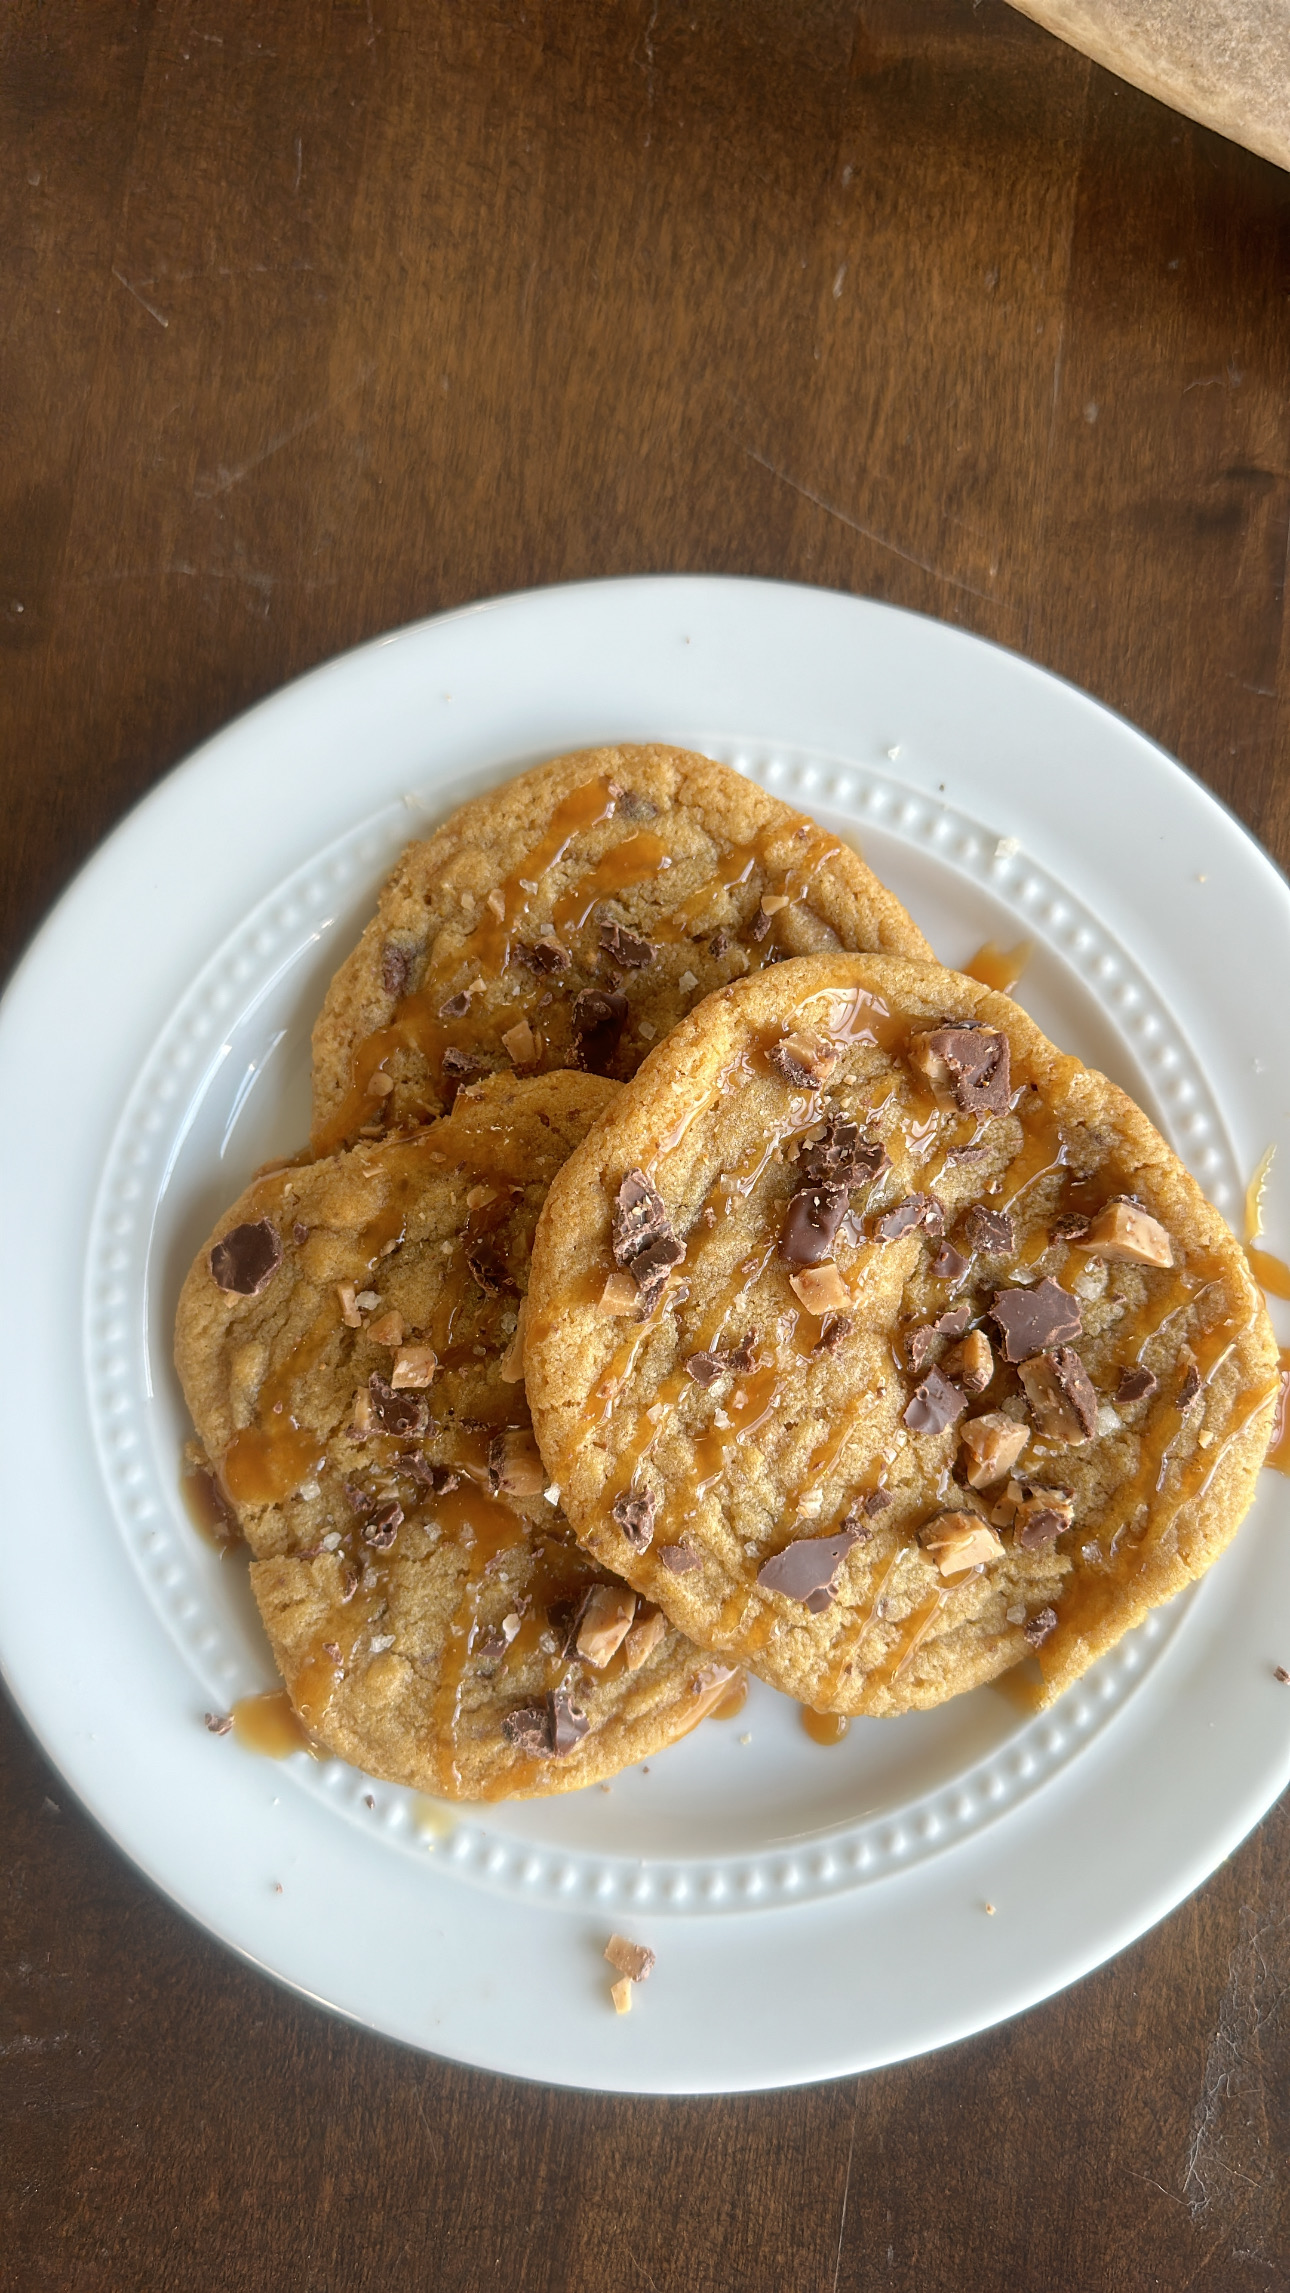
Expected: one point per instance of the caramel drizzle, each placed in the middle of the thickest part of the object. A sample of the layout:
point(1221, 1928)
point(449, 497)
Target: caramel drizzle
point(417, 1024)
point(847, 1647)
point(1270, 1272)
point(1278, 1456)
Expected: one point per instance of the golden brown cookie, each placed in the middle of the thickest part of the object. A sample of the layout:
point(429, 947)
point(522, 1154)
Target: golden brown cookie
point(883, 1345)
point(569, 919)
point(349, 1345)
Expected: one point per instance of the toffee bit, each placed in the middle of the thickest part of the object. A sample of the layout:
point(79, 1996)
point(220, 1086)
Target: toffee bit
point(631, 1959)
point(877, 1501)
point(299, 1232)
point(456, 1006)
point(760, 925)
point(634, 1512)
point(1038, 1627)
point(805, 1060)
point(835, 1332)
point(396, 965)
point(718, 944)
point(625, 948)
point(219, 1723)
point(1189, 1388)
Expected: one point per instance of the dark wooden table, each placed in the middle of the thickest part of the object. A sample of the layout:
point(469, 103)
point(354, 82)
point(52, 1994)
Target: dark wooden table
point(315, 319)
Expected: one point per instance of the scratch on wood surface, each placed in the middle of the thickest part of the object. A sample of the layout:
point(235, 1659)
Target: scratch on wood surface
point(831, 509)
point(208, 488)
point(150, 308)
point(300, 161)
point(1229, 2152)
point(846, 2188)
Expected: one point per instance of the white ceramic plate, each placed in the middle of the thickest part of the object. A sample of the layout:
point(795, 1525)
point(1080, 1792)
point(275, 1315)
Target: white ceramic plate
point(814, 1911)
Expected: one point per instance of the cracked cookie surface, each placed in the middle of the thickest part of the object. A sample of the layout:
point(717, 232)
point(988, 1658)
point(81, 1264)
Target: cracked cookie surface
point(886, 1347)
point(349, 1343)
point(569, 919)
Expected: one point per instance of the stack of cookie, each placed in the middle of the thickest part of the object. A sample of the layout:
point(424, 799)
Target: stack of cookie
point(692, 1275)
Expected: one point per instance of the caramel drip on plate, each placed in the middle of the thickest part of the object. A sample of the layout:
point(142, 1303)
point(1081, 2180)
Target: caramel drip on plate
point(732, 1701)
point(999, 967)
point(207, 1509)
point(1270, 1272)
point(268, 1725)
point(823, 1727)
point(1278, 1456)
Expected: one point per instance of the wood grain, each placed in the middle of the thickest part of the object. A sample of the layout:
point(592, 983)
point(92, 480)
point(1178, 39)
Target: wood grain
point(313, 320)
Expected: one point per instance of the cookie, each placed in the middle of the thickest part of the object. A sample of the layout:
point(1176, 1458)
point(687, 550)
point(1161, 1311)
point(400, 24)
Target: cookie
point(569, 919)
point(885, 1347)
point(349, 1344)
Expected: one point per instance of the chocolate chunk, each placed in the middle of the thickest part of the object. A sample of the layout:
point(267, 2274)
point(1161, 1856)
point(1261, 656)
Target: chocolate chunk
point(680, 1559)
point(967, 1154)
point(967, 1067)
point(543, 955)
point(460, 1066)
point(916, 1210)
point(989, 1230)
point(643, 1240)
point(529, 1729)
point(1035, 1318)
point(1061, 1396)
point(837, 1329)
point(949, 1263)
point(456, 1006)
point(811, 1222)
point(1189, 1388)
point(219, 1723)
point(1038, 1627)
point(936, 1405)
point(568, 1724)
point(706, 1368)
point(299, 1232)
point(1039, 1525)
point(634, 1513)
point(625, 948)
point(396, 964)
point(804, 1059)
point(718, 944)
point(381, 1531)
point(948, 1325)
point(490, 1647)
point(808, 1569)
point(1070, 1227)
point(877, 1501)
point(439, 1479)
point(599, 1017)
point(760, 925)
point(360, 1499)
point(1134, 1385)
point(246, 1259)
point(631, 805)
point(403, 1414)
point(486, 1264)
point(841, 1157)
